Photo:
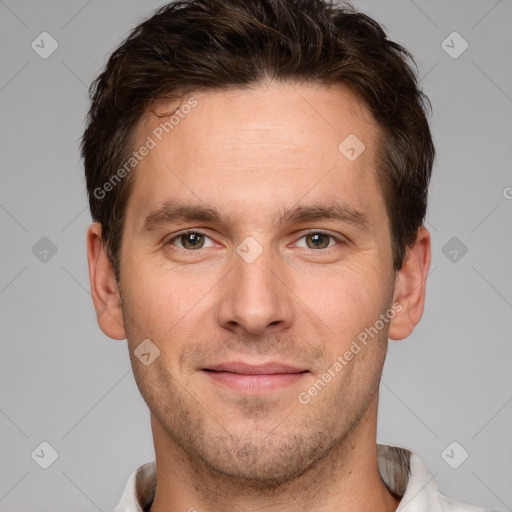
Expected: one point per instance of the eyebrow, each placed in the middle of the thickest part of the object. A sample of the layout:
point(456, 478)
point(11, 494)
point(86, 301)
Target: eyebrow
point(172, 212)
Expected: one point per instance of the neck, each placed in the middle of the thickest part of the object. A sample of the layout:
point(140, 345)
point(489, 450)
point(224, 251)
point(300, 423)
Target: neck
point(346, 479)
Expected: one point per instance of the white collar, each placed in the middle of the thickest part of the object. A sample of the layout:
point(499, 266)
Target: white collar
point(402, 471)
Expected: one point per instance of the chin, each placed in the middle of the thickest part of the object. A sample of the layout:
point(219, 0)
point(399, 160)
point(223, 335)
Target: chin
point(265, 463)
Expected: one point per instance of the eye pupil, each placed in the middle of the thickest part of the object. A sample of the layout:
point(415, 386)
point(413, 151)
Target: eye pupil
point(191, 240)
point(318, 237)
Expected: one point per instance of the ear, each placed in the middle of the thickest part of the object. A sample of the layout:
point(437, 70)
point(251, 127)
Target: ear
point(410, 287)
point(104, 290)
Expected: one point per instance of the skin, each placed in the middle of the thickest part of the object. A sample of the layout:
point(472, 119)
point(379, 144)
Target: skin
point(250, 154)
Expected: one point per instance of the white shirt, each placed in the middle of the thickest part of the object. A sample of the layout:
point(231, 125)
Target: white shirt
point(403, 472)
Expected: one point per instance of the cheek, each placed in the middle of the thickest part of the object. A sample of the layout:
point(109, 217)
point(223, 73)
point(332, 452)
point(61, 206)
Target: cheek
point(169, 310)
point(347, 297)
point(157, 298)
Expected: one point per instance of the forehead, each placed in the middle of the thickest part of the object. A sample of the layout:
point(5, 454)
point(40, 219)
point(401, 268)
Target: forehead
point(258, 149)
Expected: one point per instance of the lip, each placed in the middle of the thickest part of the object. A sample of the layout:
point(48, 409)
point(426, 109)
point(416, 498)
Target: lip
point(254, 379)
point(269, 368)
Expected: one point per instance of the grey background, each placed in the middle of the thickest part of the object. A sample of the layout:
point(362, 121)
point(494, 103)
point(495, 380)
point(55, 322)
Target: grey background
point(62, 381)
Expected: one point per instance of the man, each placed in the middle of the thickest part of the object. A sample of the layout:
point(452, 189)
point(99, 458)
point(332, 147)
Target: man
point(257, 173)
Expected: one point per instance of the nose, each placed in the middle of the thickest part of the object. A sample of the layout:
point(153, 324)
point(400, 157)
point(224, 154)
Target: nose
point(256, 298)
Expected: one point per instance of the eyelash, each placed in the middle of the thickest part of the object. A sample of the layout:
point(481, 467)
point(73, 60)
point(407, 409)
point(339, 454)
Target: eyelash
point(196, 232)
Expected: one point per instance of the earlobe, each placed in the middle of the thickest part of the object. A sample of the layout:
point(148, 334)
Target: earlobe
point(410, 287)
point(104, 289)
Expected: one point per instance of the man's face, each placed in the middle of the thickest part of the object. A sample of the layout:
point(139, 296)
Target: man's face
point(250, 310)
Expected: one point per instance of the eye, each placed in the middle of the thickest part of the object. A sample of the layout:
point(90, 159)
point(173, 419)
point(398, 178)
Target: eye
point(194, 240)
point(190, 240)
point(320, 240)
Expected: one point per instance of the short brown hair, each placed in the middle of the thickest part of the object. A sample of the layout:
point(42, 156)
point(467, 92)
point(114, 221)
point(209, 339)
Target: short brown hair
point(214, 44)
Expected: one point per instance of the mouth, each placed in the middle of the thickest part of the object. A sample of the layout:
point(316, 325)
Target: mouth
point(254, 379)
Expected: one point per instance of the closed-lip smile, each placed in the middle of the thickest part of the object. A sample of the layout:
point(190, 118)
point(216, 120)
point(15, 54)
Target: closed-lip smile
point(254, 379)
